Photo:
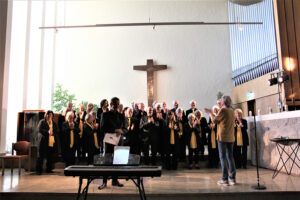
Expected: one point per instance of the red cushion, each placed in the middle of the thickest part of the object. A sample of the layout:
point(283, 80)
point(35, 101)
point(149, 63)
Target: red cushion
point(13, 156)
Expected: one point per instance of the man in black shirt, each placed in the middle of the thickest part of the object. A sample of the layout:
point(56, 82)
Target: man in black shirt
point(112, 122)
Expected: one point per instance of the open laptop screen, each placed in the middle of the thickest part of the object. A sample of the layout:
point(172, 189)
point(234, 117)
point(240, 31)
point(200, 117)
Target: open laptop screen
point(121, 155)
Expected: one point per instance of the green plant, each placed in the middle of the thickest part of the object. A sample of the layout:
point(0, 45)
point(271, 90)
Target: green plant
point(60, 98)
point(219, 95)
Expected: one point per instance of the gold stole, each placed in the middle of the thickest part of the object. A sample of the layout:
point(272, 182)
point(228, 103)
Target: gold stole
point(81, 126)
point(71, 139)
point(213, 138)
point(239, 136)
point(180, 133)
point(200, 132)
point(172, 136)
point(193, 142)
point(96, 140)
point(51, 137)
point(95, 135)
point(129, 121)
point(193, 111)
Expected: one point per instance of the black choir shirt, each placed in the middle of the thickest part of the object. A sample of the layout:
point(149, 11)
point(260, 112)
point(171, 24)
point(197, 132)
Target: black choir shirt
point(110, 121)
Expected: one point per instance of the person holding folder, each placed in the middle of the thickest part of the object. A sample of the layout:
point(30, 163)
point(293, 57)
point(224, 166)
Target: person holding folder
point(112, 124)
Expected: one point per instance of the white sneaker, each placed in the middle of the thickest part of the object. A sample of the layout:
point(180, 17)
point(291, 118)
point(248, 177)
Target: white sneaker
point(231, 182)
point(222, 182)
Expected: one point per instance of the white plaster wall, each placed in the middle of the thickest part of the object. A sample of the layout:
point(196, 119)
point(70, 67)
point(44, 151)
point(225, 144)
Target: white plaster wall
point(97, 63)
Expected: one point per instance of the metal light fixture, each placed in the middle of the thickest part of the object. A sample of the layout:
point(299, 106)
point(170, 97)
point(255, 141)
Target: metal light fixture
point(153, 24)
point(273, 81)
point(245, 2)
point(283, 78)
point(278, 78)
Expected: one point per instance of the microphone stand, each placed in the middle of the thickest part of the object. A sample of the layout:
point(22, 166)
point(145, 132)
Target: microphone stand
point(258, 186)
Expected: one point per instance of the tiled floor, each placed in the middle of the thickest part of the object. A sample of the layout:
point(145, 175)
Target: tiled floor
point(171, 182)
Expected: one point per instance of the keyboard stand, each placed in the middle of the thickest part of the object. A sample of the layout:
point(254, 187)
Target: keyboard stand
point(138, 183)
point(85, 190)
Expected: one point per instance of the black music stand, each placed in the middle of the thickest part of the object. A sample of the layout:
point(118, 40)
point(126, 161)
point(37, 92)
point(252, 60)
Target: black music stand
point(281, 144)
point(258, 186)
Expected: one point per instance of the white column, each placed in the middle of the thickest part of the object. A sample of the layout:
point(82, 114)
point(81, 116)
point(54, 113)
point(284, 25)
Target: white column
point(54, 54)
point(27, 43)
point(42, 56)
point(5, 25)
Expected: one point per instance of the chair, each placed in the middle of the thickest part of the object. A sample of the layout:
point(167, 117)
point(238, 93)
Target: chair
point(23, 151)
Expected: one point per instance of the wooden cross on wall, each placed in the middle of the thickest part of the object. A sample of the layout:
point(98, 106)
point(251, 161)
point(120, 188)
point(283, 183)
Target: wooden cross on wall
point(150, 69)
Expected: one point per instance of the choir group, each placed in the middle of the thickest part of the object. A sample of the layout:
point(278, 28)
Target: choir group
point(156, 133)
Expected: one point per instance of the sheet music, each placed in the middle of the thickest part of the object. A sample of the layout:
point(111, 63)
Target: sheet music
point(112, 138)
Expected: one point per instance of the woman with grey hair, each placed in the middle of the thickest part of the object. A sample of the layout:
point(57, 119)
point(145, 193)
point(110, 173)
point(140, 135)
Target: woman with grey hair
point(213, 155)
point(203, 129)
point(149, 135)
point(192, 140)
point(131, 132)
point(181, 122)
point(91, 132)
point(70, 134)
point(225, 119)
point(241, 141)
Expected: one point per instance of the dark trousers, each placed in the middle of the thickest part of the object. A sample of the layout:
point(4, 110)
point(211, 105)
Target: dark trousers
point(182, 149)
point(134, 144)
point(109, 148)
point(172, 157)
point(154, 150)
point(145, 150)
point(193, 155)
point(45, 153)
point(213, 157)
point(201, 149)
point(240, 156)
point(101, 146)
point(91, 153)
point(135, 149)
point(81, 151)
point(70, 156)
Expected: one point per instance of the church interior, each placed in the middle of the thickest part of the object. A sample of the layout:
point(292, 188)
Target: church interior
point(153, 52)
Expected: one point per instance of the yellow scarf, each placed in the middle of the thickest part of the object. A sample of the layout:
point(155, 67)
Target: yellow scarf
point(200, 130)
point(95, 135)
point(129, 121)
point(180, 133)
point(213, 138)
point(193, 111)
point(51, 137)
point(239, 136)
point(81, 126)
point(71, 139)
point(90, 125)
point(96, 140)
point(172, 137)
point(193, 142)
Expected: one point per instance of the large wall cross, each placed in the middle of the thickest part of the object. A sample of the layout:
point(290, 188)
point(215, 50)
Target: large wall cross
point(150, 68)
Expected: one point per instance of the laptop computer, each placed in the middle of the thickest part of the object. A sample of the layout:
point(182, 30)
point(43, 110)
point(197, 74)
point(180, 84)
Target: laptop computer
point(120, 157)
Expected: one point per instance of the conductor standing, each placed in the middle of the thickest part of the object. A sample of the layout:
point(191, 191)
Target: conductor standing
point(112, 122)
